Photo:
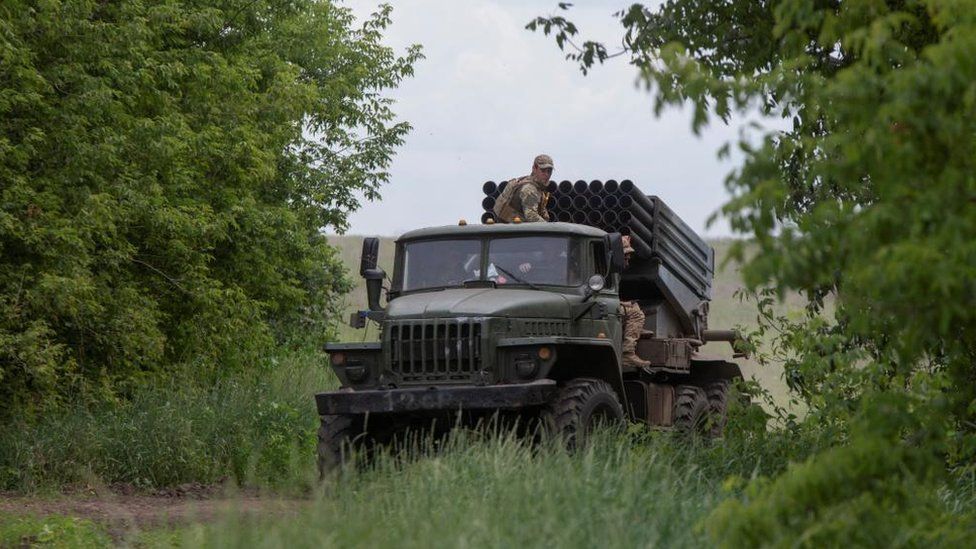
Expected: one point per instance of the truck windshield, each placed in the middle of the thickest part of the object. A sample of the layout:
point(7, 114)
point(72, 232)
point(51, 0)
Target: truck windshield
point(440, 263)
point(531, 260)
point(551, 260)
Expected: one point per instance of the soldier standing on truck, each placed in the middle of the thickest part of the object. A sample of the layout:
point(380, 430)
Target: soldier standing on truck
point(526, 197)
point(633, 318)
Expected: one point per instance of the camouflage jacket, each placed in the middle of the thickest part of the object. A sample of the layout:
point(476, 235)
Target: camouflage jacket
point(525, 198)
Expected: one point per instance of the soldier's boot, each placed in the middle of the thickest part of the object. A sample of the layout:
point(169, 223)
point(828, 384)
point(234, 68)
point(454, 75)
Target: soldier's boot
point(631, 360)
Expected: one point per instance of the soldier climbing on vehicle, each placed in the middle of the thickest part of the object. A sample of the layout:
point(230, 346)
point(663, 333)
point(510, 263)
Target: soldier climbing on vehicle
point(633, 318)
point(525, 198)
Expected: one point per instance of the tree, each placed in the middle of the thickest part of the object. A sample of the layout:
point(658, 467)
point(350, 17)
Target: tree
point(867, 197)
point(166, 170)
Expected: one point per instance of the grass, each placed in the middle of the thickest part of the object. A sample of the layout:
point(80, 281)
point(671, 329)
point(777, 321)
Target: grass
point(630, 490)
point(55, 531)
point(253, 428)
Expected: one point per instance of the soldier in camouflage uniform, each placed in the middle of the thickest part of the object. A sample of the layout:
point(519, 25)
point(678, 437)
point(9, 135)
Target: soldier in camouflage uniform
point(526, 197)
point(633, 322)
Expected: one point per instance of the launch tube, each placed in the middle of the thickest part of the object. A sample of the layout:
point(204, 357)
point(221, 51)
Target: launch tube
point(639, 230)
point(611, 186)
point(595, 202)
point(596, 186)
point(580, 186)
point(565, 186)
point(486, 216)
point(580, 202)
point(488, 203)
point(642, 249)
point(565, 201)
point(489, 188)
point(640, 213)
point(594, 218)
point(627, 186)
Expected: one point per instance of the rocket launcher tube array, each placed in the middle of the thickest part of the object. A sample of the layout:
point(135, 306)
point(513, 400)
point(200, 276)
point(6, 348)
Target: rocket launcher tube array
point(611, 205)
point(667, 251)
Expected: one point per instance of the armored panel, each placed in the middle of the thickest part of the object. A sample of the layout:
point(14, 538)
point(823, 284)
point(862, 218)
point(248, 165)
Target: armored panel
point(671, 262)
point(684, 254)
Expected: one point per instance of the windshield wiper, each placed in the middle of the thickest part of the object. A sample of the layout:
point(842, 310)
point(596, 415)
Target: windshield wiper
point(515, 278)
point(478, 283)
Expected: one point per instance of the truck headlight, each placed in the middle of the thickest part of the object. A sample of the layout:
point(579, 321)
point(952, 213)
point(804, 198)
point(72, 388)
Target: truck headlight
point(526, 367)
point(356, 373)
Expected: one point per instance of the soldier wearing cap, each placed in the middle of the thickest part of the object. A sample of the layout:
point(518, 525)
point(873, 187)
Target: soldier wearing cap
point(633, 321)
point(526, 197)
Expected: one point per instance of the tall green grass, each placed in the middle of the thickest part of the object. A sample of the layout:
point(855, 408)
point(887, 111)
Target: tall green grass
point(500, 491)
point(255, 427)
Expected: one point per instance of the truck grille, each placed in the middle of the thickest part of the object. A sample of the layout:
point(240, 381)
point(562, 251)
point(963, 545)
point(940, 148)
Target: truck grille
point(435, 349)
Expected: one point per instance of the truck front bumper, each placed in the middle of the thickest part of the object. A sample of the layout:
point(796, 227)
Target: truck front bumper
point(436, 398)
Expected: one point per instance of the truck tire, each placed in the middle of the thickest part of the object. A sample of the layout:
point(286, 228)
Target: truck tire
point(717, 393)
point(581, 405)
point(690, 409)
point(340, 438)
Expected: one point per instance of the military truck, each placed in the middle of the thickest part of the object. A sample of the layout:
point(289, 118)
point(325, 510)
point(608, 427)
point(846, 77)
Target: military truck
point(524, 320)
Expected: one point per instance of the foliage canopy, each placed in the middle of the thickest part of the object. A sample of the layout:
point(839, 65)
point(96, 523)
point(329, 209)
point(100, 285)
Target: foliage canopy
point(166, 169)
point(866, 196)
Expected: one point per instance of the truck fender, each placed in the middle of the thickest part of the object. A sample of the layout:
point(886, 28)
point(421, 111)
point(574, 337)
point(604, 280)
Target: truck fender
point(596, 361)
point(711, 369)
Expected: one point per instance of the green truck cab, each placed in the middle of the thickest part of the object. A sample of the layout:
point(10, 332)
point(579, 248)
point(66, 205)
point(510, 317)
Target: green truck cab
point(525, 320)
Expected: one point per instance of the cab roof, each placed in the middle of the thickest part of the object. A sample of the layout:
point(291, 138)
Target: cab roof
point(507, 229)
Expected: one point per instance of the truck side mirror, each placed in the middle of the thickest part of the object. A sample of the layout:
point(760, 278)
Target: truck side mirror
point(615, 250)
point(370, 255)
point(374, 285)
point(374, 276)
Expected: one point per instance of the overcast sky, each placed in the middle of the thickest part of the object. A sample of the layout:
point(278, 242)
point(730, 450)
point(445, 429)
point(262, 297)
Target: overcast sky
point(490, 95)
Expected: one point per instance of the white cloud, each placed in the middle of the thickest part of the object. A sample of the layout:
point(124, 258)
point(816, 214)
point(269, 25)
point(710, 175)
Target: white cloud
point(491, 95)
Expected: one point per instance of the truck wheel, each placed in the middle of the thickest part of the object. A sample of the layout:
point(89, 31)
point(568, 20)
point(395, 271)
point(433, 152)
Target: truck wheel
point(717, 393)
point(340, 438)
point(582, 405)
point(690, 409)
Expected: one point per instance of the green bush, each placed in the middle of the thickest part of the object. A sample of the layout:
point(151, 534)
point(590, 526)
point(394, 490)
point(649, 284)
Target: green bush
point(859, 196)
point(166, 169)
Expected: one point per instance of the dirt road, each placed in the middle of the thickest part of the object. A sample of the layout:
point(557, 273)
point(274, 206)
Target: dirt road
point(123, 511)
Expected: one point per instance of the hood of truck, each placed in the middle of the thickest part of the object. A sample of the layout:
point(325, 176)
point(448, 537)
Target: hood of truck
point(523, 303)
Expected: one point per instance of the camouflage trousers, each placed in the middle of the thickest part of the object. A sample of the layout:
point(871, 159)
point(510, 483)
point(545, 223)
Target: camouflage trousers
point(633, 325)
